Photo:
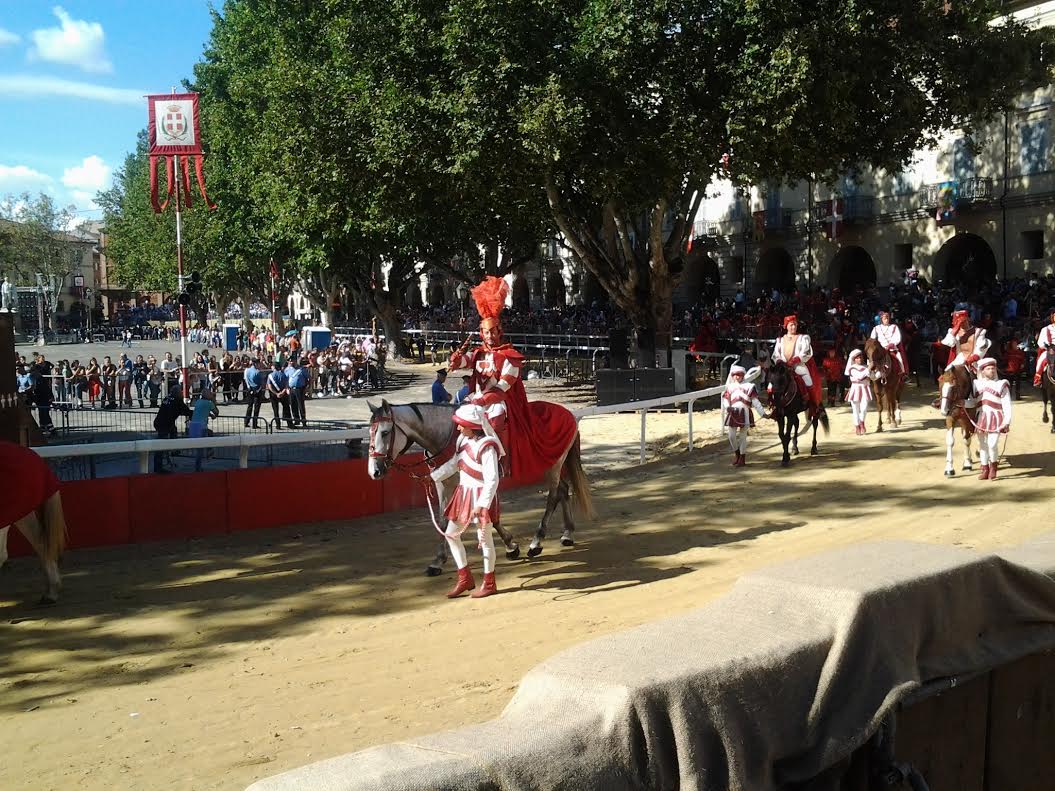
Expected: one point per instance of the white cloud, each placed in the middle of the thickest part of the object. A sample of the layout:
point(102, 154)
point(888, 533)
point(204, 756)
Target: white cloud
point(14, 85)
point(91, 175)
point(76, 42)
point(14, 178)
point(7, 38)
point(84, 200)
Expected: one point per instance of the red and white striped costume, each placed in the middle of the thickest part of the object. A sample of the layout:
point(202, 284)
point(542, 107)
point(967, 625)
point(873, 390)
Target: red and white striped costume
point(1045, 341)
point(860, 394)
point(495, 371)
point(476, 459)
point(994, 415)
point(994, 405)
point(477, 463)
point(737, 401)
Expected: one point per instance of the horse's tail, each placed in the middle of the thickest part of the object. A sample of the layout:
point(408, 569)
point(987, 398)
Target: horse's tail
point(822, 418)
point(52, 527)
point(580, 484)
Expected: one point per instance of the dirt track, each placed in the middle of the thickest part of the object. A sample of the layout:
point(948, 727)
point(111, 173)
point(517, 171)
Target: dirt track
point(209, 663)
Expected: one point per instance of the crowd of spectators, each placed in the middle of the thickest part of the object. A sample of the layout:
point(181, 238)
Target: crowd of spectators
point(1011, 311)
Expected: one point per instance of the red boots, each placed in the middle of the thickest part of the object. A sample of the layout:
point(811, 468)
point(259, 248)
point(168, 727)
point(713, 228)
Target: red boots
point(467, 583)
point(487, 588)
point(985, 473)
point(992, 471)
point(736, 459)
point(740, 459)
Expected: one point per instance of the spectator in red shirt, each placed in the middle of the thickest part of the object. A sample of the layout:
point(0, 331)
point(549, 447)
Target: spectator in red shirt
point(833, 365)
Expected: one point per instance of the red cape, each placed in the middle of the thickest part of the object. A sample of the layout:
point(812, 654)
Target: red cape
point(28, 482)
point(539, 433)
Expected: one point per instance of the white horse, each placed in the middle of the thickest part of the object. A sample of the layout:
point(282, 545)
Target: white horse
point(395, 428)
point(45, 529)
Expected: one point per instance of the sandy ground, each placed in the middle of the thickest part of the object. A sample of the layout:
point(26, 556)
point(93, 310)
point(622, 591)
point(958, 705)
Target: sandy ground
point(209, 663)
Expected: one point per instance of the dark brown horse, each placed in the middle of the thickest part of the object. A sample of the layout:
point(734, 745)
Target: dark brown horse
point(958, 408)
point(890, 383)
point(1047, 387)
point(787, 404)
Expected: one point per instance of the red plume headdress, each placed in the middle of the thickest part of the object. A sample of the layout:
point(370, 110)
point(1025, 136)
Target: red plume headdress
point(490, 298)
point(789, 319)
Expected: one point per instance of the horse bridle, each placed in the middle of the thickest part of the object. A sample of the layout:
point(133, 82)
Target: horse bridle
point(388, 457)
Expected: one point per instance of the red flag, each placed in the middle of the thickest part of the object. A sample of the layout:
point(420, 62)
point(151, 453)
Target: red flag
point(274, 270)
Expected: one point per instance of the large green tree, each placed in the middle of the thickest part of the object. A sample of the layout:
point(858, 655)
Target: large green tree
point(617, 113)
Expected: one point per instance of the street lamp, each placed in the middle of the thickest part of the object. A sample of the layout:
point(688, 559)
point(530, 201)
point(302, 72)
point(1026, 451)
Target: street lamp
point(462, 292)
point(40, 309)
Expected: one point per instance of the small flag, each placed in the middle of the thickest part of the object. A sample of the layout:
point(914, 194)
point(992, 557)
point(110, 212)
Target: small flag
point(274, 270)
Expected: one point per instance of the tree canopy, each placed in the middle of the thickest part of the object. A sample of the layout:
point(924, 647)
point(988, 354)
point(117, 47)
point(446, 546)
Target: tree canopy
point(360, 142)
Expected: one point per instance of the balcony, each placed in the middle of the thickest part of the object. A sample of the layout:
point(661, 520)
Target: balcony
point(855, 209)
point(967, 191)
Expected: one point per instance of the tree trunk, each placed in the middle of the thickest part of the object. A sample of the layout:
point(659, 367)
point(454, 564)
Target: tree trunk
point(397, 342)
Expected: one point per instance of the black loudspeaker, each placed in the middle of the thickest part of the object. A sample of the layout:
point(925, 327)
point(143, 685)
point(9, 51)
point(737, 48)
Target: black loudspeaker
point(619, 347)
point(654, 383)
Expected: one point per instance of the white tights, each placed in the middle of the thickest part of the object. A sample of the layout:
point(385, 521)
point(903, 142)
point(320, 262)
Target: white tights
point(487, 545)
point(860, 411)
point(988, 452)
point(738, 439)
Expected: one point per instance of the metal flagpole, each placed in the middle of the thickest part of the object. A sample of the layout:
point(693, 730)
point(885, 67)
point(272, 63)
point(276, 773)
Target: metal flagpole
point(274, 305)
point(179, 268)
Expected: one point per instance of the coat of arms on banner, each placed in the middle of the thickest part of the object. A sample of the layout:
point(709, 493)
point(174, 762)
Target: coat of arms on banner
point(173, 131)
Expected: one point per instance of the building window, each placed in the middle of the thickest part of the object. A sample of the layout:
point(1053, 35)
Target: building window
point(962, 160)
point(1033, 147)
point(902, 257)
point(1032, 245)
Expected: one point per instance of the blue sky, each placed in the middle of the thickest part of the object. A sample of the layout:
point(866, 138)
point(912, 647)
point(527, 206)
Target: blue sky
point(72, 78)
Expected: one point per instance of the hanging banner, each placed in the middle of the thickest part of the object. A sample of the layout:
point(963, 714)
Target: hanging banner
point(172, 125)
point(948, 195)
point(174, 130)
point(833, 218)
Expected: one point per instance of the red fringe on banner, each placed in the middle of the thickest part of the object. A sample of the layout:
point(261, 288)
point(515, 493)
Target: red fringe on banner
point(184, 162)
point(154, 204)
point(170, 180)
point(200, 173)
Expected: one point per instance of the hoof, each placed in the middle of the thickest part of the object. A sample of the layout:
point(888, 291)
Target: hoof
point(879, 430)
point(567, 541)
point(48, 601)
point(813, 451)
point(950, 473)
point(795, 452)
point(534, 552)
point(433, 571)
point(513, 554)
point(1044, 419)
point(785, 462)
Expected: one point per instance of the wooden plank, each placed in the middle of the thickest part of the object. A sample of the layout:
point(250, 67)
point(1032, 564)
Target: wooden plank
point(1021, 752)
point(944, 736)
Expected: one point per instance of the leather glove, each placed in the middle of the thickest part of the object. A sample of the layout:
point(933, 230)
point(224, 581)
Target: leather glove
point(973, 359)
point(794, 361)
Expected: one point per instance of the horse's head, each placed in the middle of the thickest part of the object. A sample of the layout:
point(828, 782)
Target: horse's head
point(382, 439)
point(780, 381)
point(956, 387)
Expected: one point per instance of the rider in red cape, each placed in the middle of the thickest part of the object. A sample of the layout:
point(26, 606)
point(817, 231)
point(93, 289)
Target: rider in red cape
point(35, 482)
point(796, 351)
point(535, 434)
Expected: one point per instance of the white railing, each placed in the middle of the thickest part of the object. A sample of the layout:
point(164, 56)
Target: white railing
point(244, 442)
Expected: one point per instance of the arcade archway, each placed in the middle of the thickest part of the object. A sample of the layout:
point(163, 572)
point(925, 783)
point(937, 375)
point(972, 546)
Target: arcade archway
point(966, 259)
point(521, 294)
point(555, 291)
point(852, 268)
point(775, 269)
point(701, 280)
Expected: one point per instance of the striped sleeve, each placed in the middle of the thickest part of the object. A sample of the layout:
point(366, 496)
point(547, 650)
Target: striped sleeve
point(510, 374)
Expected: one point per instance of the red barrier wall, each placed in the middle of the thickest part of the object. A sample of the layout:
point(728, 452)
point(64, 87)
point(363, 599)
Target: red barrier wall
point(139, 508)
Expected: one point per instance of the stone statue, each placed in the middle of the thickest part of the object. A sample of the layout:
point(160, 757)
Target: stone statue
point(8, 303)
